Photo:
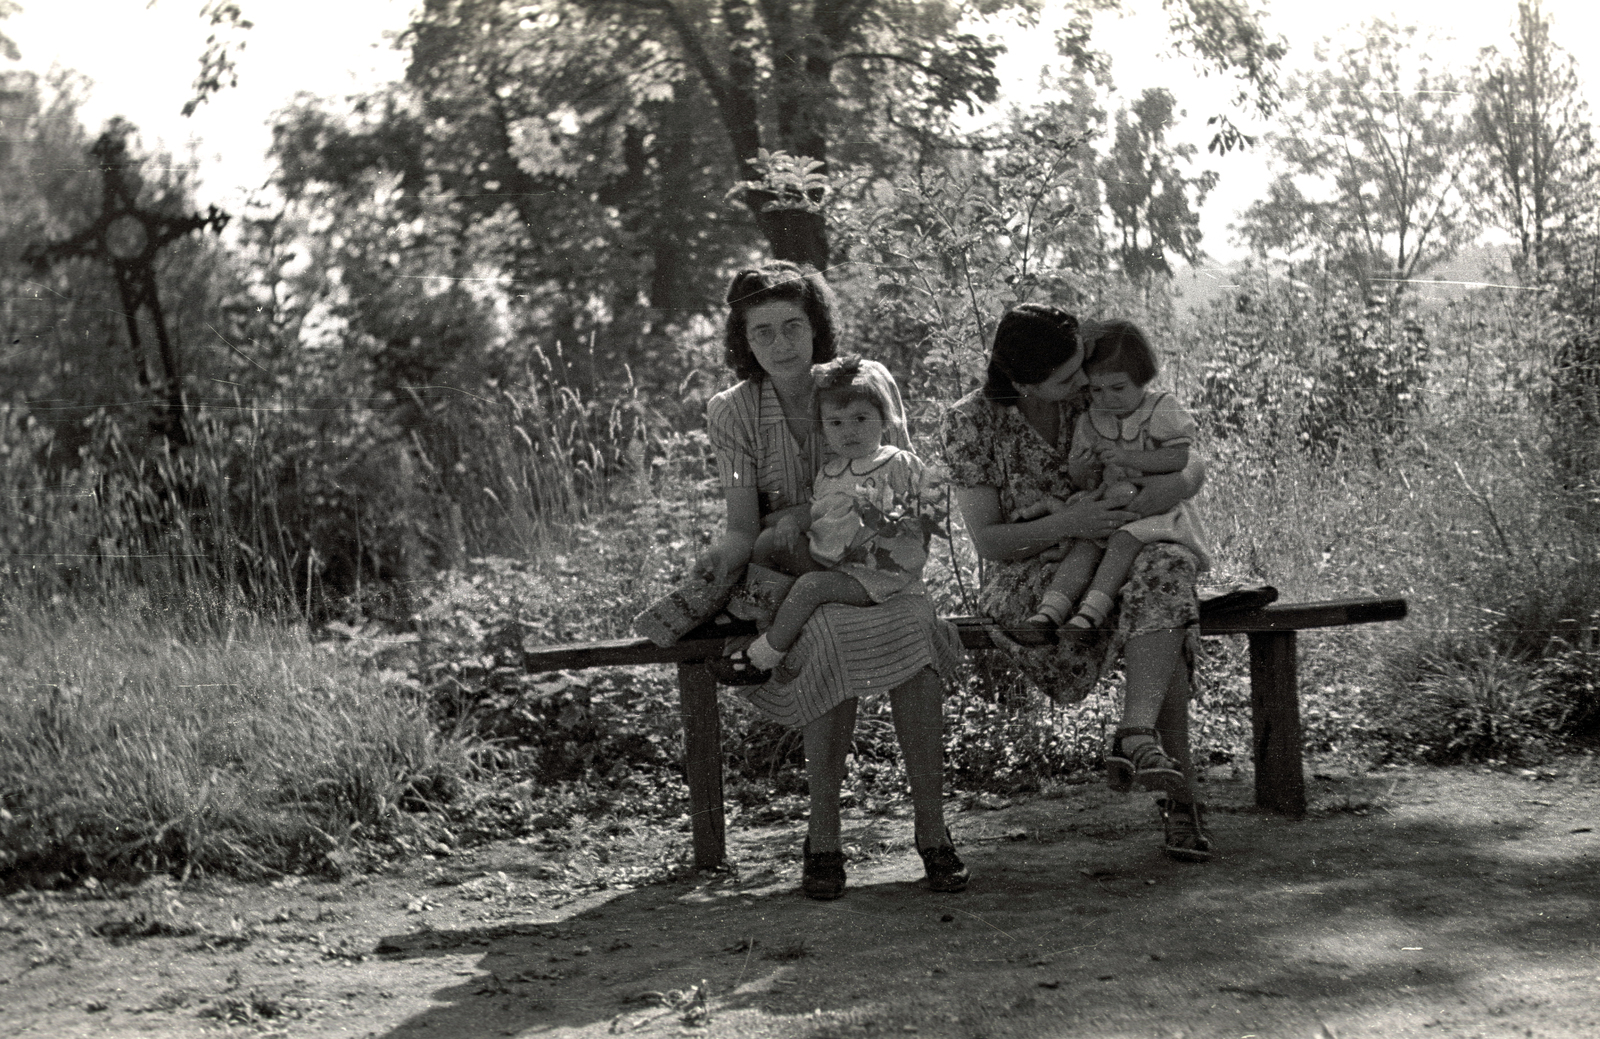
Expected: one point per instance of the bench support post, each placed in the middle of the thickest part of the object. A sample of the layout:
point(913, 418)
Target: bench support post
point(1275, 717)
point(702, 762)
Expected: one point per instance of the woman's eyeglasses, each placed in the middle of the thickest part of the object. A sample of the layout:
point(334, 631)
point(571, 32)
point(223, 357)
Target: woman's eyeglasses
point(793, 330)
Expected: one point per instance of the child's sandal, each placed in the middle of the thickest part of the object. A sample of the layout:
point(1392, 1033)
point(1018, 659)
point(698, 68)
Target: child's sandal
point(1146, 764)
point(736, 669)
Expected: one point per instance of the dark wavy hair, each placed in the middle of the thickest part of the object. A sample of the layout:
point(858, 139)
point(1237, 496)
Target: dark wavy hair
point(839, 382)
point(1031, 341)
point(1120, 346)
point(778, 280)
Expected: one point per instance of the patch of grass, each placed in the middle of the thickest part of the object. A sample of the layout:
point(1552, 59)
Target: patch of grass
point(124, 750)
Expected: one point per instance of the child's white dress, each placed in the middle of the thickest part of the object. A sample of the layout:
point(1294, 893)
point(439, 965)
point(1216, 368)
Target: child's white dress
point(866, 520)
point(1159, 421)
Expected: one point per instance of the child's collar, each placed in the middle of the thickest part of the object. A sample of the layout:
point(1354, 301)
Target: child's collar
point(1111, 427)
point(836, 466)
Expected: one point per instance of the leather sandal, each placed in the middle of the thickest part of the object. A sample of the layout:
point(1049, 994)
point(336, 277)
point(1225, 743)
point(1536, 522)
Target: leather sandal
point(1146, 764)
point(821, 873)
point(946, 872)
point(1185, 826)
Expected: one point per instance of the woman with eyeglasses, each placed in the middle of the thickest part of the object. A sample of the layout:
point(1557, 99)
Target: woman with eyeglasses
point(769, 448)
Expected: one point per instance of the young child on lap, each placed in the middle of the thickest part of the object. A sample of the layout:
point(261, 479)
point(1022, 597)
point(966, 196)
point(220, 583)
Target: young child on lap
point(1128, 432)
point(861, 538)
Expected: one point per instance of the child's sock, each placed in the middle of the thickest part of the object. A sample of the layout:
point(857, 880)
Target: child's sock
point(1053, 606)
point(762, 656)
point(1093, 610)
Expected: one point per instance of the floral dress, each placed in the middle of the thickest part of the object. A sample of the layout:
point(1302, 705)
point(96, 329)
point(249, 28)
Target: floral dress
point(843, 651)
point(991, 445)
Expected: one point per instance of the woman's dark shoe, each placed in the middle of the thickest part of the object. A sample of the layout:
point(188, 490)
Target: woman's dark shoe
point(946, 872)
point(822, 875)
point(1186, 837)
point(1145, 763)
point(1037, 630)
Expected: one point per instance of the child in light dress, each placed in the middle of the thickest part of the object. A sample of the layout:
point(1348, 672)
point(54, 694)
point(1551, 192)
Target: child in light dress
point(861, 538)
point(1128, 432)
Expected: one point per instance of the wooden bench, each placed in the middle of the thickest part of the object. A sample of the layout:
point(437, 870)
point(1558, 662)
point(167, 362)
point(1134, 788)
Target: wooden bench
point(1274, 697)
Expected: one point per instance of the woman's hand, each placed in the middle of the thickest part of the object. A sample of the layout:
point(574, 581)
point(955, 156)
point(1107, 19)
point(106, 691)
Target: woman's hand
point(719, 561)
point(1048, 505)
point(1089, 516)
point(787, 533)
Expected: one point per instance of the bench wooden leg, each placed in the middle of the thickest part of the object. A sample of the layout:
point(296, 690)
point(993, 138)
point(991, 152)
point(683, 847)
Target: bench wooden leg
point(1275, 716)
point(702, 764)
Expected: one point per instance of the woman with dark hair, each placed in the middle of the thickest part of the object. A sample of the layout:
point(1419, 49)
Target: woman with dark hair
point(768, 447)
point(1007, 446)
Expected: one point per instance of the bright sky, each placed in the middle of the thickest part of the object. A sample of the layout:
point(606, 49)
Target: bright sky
point(143, 56)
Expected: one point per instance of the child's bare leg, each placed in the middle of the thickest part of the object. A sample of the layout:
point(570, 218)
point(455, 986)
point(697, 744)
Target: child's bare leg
point(809, 592)
point(793, 560)
point(1121, 550)
point(1072, 577)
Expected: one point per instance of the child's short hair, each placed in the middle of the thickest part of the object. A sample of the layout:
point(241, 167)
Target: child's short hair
point(1119, 346)
point(841, 382)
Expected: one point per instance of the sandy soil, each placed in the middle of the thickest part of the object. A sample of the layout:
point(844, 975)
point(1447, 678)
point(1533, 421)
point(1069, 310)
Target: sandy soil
point(1412, 902)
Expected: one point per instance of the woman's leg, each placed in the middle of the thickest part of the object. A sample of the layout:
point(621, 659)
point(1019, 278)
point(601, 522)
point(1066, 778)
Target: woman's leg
point(827, 742)
point(1182, 816)
point(1150, 663)
point(1172, 722)
point(917, 706)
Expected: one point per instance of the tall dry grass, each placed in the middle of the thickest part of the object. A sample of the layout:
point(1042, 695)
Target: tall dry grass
point(126, 748)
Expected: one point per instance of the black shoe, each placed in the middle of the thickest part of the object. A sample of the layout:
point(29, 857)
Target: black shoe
point(822, 875)
point(736, 669)
point(946, 871)
point(1034, 632)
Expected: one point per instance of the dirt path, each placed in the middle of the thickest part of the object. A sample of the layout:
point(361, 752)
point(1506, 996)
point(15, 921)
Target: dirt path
point(1412, 903)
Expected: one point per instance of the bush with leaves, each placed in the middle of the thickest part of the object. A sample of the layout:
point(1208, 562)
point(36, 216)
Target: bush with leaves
point(1319, 364)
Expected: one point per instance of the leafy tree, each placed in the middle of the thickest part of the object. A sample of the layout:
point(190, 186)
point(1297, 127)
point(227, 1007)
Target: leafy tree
point(1380, 140)
point(1148, 195)
point(1533, 126)
point(783, 75)
point(1221, 37)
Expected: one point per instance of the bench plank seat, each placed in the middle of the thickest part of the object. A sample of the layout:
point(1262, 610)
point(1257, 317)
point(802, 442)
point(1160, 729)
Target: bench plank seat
point(1274, 695)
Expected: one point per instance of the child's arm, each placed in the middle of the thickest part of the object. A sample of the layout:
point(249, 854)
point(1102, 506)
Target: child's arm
point(1157, 460)
point(797, 514)
point(1083, 465)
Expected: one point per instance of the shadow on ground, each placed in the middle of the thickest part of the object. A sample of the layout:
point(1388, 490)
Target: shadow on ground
point(1453, 908)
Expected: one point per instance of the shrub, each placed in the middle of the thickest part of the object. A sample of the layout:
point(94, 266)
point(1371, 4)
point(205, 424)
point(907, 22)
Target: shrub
point(1467, 702)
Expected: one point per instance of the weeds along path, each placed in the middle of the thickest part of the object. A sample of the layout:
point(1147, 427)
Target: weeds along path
point(1412, 902)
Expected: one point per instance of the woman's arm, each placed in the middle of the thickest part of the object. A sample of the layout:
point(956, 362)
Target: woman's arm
point(996, 539)
point(1156, 460)
point(1163, 491)
point(744, 525)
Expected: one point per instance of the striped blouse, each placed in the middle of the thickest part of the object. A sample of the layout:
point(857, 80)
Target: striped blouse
point(843, 651)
